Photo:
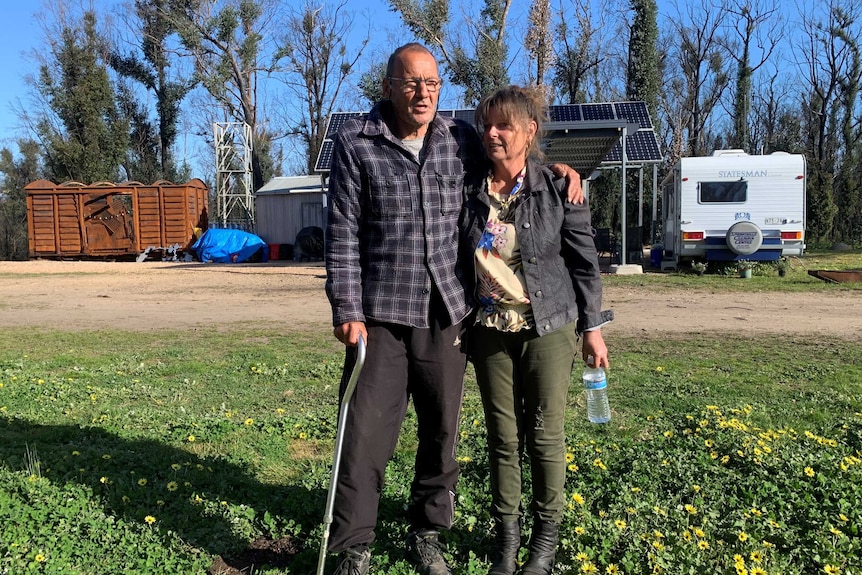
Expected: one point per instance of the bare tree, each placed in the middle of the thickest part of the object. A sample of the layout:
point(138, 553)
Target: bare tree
point(757, 31)
point(703, 76)
point(774, 116)
point(150, 63)
point(316, 66)
point(478, 65)
point(227, 43)
point(580, 52)
point(830, 65)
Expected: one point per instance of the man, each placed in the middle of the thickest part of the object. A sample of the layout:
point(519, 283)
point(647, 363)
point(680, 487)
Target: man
point(394, 278)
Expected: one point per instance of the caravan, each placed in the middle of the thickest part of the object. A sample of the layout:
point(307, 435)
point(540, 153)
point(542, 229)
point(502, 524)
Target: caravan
point(733, 206)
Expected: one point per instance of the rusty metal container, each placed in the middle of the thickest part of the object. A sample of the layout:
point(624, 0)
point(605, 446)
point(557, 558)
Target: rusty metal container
point(113, 220)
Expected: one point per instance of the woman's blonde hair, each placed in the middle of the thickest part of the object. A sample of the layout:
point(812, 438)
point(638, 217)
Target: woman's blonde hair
point(519, 106)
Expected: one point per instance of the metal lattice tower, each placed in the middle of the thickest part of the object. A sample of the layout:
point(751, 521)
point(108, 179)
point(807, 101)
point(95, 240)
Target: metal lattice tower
point(234, 194)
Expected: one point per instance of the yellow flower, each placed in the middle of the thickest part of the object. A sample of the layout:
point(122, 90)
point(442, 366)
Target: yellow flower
point(573, 467)
point(142, 482)
point(191, 438)
point(686, 535)
point(570, 456)
point(302, 435)
point(172, 486)
point(578, 498)
point(598, 463)
point(702, 545)
point(695, 488)
point(843, 517)
point(668, 434)
point(691, 508)
point(738, 559)
point(758, 571)
point(176, 466)
point(699, 532)
point(582, 557)
point(620, 524)
point(104, 480)
point(40, 558)
point(809, 472)
point(612, 569)
point(756, 556)
point(831, 570)
point(659, 369)
point(580, 530)
point(588, 567)
point(249, 421)
point(741, 570)
point(636, 489)
point(658, 545)
point(835, 531)
point(756, 512)
point(150, 519)
point(743, 536)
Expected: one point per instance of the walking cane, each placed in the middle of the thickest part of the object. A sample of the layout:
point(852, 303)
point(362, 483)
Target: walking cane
point(339, 440)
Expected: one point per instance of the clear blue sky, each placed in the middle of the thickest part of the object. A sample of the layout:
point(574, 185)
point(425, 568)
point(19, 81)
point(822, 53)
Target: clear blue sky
point(20, 35)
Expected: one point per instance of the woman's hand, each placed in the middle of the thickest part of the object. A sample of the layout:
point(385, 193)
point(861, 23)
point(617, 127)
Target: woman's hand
point(594, 345)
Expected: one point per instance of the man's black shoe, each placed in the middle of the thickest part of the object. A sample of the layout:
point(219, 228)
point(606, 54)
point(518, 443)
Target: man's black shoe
point(425, 550)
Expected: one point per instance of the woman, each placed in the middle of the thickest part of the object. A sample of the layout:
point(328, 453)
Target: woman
point(538, 287)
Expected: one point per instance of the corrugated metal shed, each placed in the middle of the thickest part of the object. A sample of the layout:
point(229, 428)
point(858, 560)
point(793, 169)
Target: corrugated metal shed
point(285, 205)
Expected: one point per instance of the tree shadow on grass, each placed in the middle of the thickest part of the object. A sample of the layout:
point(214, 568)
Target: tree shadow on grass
point(198, 499)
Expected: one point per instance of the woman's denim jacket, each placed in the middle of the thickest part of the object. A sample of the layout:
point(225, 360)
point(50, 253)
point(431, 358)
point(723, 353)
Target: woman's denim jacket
point(558, 254)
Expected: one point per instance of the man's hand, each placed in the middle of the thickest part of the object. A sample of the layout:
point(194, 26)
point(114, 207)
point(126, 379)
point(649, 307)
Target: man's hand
point(574, 191)
point(348, 333)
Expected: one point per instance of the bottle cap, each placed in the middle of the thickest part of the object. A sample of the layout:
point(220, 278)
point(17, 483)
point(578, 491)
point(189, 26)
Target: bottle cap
point(591, 360)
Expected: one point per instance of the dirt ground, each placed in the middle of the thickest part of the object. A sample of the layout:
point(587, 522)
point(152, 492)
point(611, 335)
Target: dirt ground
point(286, 295)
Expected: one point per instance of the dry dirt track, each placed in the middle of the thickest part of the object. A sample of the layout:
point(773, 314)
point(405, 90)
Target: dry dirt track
point(158, 295)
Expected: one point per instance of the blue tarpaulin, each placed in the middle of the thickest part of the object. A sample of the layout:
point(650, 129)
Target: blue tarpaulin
point(227, 246)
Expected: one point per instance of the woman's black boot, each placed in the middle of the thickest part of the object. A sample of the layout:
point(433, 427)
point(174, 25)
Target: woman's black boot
point(543, 548)
point(506, 545)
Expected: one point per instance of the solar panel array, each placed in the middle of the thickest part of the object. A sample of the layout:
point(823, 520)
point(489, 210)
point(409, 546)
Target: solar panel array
point(641, 146)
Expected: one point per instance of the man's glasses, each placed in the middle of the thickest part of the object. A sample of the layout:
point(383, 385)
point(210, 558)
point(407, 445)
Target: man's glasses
point(409, 85)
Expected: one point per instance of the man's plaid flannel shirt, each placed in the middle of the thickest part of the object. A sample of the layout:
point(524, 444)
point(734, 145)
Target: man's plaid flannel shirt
point(392, 230)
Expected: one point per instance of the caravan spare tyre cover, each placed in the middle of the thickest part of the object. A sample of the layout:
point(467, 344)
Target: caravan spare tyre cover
point(744, 238)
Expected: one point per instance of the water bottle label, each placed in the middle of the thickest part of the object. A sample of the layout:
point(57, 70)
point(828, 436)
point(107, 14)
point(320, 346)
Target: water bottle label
point(601, 384)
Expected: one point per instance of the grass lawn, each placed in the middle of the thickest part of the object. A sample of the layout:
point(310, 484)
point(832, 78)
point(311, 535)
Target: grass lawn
point(158, 452)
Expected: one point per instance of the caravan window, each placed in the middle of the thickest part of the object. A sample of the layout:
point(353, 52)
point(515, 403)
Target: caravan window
point(723, 192)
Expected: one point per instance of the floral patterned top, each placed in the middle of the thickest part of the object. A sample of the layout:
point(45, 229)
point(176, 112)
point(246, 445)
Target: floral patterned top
point(503, 299)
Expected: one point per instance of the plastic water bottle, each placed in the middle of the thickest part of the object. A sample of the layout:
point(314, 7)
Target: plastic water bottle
point(596, 387)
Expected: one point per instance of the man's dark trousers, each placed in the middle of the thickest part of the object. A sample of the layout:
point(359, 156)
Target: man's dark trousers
point(401, 362)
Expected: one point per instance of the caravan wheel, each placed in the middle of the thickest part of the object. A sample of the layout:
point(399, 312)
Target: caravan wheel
point(744, 238)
